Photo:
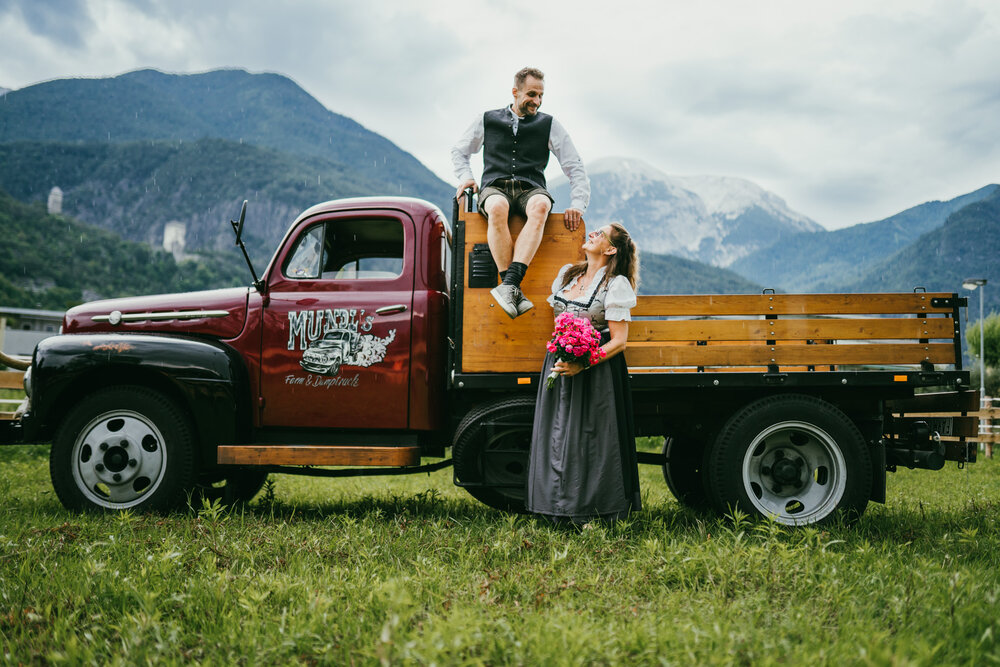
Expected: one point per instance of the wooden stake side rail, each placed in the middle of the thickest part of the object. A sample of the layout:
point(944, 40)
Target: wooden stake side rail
point(10, 380)
point(658, 354)
point(706, 305)
point(796, 332)
point(800, 330)
point(858, 329)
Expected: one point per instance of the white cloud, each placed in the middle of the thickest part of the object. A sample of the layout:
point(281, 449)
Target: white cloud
point(851, 111)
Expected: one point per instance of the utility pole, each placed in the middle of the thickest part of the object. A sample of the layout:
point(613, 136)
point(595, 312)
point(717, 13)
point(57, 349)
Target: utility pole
point(971, 284)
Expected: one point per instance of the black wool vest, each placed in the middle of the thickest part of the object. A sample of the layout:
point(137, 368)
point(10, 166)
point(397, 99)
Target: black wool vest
point(521, 157)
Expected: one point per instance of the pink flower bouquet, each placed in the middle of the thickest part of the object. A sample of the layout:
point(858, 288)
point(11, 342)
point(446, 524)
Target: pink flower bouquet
point(574, 339)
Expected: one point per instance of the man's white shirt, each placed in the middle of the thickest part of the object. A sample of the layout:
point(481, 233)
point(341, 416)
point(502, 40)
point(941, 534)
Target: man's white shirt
point(560, 144)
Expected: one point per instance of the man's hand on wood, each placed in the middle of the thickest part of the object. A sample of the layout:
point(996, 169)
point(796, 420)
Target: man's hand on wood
point(471, 183)
point(572, 217)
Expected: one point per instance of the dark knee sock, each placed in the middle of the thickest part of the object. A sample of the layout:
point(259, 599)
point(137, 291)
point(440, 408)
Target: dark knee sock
point(503, 274)
point(515, 273)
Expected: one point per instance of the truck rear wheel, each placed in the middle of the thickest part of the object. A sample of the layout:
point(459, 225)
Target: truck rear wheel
point(490, 452)
point(682, 470)
point(120, 448)
point(796, 459)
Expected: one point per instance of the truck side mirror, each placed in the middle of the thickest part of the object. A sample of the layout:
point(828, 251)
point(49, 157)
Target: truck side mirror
point(238, 226)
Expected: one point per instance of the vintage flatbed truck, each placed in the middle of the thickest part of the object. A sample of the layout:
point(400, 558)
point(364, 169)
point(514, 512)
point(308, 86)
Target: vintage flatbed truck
point(371, 341)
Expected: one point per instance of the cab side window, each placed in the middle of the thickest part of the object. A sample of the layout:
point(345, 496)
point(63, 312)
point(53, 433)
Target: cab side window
point(355, 249)
point(304, 262)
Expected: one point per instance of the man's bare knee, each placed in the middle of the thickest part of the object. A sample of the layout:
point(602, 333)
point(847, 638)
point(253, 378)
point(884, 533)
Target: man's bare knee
point(538, 208)
point(497, 209)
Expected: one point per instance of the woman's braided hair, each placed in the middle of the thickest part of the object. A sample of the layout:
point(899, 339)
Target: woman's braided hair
point(625, 261)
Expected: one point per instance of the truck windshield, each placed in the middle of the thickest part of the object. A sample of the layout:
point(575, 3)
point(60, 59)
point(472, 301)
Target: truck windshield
point(355, 249)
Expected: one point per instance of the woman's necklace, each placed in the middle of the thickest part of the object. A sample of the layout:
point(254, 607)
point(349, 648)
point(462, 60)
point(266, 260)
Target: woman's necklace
point(580, 288)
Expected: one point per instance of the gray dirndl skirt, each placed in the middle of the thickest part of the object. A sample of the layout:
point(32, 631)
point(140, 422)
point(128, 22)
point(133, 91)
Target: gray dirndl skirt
point(583, 463)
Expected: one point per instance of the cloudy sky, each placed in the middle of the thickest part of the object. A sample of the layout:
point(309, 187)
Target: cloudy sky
point(849, 110)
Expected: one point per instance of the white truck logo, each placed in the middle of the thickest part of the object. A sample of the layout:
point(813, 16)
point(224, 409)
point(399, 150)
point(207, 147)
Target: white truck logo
point(343, 347)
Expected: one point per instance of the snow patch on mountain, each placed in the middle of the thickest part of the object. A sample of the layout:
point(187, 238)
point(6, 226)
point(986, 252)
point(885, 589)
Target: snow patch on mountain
point(714, 219)
point(730, 197)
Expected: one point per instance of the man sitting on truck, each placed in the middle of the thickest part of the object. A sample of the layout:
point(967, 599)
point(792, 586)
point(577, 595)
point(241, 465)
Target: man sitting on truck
point(517, 140)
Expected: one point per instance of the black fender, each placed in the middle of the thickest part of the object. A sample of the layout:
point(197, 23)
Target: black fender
point(207, 378)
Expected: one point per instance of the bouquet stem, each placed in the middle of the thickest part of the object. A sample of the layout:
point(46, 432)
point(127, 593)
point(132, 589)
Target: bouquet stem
point(550, 381)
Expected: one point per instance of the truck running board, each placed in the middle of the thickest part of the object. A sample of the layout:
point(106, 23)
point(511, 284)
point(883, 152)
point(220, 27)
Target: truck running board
point(310, 455)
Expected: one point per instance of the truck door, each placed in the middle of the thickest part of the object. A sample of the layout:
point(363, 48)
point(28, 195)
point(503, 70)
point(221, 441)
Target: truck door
point(335, 351)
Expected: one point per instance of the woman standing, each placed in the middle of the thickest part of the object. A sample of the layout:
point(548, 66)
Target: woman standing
point(583, 463)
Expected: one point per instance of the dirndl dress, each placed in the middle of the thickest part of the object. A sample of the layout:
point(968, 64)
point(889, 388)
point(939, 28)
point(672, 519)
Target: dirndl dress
point(583, 462)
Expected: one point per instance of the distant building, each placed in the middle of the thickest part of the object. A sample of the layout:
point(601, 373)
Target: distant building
point(55, 201)
point(33, 326)
point(173, 239)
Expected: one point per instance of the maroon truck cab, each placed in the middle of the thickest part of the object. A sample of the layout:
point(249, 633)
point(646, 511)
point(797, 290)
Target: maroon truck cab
point(350, 330)
point(346, 330)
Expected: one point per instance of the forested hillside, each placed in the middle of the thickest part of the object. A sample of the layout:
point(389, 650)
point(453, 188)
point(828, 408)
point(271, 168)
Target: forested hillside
point(666, 274)
point(268, 110)
point(52, 262)
point(135, 188)
point(827, 260)
point(966, 246)
point(136, 151)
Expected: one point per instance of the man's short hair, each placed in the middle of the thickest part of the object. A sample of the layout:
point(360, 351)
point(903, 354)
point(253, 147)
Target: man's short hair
point(524, 73)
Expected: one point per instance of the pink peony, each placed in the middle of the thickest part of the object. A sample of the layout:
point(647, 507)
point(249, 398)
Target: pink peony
point(574, 339)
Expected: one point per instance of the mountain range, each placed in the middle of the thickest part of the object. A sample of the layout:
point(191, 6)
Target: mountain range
point(268, 110)
point(53, 262)
point(832, 260)
point(134, 152)
point(966, 245)
point(135, 188)
point(733, 223)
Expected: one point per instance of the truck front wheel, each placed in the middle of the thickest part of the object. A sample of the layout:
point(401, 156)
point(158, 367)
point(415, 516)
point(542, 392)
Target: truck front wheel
point(123, 447)
point(796, 459)
point(490, 452)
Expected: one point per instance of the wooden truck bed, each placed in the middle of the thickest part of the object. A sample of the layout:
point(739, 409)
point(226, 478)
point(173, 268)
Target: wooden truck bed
point(711, 333)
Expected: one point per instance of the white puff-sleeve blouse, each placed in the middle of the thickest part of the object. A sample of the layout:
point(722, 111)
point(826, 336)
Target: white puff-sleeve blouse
point(618, 302)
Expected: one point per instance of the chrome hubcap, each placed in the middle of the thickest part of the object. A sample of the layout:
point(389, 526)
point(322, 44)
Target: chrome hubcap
point(794, 472)
point(118, 459)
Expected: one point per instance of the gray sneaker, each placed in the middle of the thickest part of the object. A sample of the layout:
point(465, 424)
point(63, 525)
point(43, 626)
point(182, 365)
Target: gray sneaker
point(524, 305)
point(511, 300)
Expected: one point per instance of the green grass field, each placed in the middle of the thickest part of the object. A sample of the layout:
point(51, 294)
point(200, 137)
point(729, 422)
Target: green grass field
point(412, 570)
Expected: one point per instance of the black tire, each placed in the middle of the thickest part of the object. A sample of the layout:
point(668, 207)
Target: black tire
point(120, 448)
point(682, 470)
point(490, 452)
point(230, 486)
point(796, 459)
